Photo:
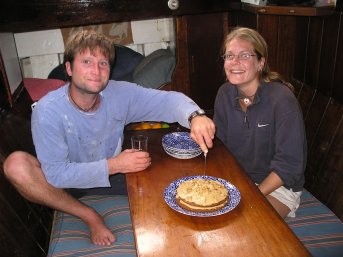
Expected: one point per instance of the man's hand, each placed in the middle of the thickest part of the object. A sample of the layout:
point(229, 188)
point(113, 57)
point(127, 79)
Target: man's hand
point(203, 131)
point(128, 161)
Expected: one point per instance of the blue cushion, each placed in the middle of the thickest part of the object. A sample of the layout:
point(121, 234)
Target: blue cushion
point(125, 63)
point(70, 235)
point(317, 227)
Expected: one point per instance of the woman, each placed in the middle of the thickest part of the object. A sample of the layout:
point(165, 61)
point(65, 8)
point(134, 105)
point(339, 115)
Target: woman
point(259, 120)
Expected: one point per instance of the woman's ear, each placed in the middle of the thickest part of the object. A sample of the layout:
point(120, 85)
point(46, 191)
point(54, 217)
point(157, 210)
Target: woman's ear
point(261, 63)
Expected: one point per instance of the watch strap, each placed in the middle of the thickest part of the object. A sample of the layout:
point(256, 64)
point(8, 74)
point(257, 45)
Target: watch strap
point(199, 112)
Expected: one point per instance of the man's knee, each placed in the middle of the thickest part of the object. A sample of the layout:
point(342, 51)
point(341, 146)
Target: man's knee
point(17, 164)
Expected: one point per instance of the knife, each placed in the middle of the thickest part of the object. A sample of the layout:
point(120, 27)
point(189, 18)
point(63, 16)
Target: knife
point(205, 155)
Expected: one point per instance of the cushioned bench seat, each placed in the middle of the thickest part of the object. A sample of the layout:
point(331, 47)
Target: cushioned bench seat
point(70, 236)
point(318, 228)
point(315, 225)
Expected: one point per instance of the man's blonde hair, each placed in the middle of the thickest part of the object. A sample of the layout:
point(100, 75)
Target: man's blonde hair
point(88, 39)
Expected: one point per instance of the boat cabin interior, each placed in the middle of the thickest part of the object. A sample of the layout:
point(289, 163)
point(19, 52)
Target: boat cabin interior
point(305, 46)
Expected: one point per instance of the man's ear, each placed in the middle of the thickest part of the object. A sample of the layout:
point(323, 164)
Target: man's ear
point(68, 68)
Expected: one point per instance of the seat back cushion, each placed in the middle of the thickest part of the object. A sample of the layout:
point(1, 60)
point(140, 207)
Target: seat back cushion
point(59, 72)
point(125, 62)
point(156, 69)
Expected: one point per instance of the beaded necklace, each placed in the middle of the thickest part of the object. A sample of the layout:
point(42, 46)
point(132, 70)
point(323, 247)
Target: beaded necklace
point(81, 108)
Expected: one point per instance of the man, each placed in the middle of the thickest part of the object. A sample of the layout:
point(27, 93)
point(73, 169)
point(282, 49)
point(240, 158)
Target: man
point(78, 132)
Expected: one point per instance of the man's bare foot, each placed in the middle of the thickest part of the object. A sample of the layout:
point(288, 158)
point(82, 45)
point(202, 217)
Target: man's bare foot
point(100, 234)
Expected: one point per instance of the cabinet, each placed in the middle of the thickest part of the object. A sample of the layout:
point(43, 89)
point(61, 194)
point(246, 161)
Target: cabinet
point(289, 10)
point(199, 70)
point(205, 37)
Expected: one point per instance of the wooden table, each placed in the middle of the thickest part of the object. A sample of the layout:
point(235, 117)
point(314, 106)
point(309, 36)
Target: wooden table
point(253, 228)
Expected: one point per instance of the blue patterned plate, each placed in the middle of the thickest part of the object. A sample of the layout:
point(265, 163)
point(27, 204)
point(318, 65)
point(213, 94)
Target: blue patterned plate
point(183, 155)
point(179, 140)
point(170, 195)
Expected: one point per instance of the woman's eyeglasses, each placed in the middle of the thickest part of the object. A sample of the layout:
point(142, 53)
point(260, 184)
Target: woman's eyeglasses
point(241, 56)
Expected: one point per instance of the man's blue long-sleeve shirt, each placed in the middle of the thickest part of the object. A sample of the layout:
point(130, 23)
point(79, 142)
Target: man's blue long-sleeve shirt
point(73, 146)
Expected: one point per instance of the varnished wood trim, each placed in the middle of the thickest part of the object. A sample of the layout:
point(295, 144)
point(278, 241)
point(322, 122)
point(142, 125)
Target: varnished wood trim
point(180, 81)
point(289, 10)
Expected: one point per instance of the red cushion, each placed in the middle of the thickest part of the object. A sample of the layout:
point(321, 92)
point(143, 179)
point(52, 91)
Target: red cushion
point(37, 88)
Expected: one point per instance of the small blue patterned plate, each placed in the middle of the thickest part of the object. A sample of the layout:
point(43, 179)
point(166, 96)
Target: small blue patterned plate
point(170, 195)
point(179, 140)
point(180, 145)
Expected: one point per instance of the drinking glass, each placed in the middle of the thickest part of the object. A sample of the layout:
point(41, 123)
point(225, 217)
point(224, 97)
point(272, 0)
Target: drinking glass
point(139, 142)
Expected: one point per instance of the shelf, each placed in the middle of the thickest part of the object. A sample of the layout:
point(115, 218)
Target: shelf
point(289, 10)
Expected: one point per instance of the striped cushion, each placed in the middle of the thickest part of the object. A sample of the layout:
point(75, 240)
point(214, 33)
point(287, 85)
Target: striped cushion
point(70, 236)
point(318, 228)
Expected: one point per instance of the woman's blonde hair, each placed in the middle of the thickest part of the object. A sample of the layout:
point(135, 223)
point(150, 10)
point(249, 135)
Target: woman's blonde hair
point(261, 50)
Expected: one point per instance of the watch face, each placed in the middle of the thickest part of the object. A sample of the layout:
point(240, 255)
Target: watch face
point(200, 112)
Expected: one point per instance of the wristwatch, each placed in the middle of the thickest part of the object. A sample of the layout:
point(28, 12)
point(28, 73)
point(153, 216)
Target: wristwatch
point(199, 112)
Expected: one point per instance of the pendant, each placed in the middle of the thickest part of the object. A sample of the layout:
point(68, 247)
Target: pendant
point(247, 101)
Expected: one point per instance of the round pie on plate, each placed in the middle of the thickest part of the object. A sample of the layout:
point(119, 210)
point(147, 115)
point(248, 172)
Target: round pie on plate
point(202, 195)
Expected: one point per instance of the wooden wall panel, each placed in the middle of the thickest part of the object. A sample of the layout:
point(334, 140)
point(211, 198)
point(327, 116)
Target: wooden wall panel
point(268, 26)
point(330, 175)
point(297, 86)
point(319, 149)
point(300, 47)
point(180, 81)
point(25, 225)
point(286, 46)
point(313, 122)
point(336, 201)
point(27, 231)
point(19, 242)
point(337, 91)
point(24, 207)
point(315, 37)
point(315, 116)
point(14, 140)
point(206, 64)
point(305, 98)
point(328, 51)
point(242, 19)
